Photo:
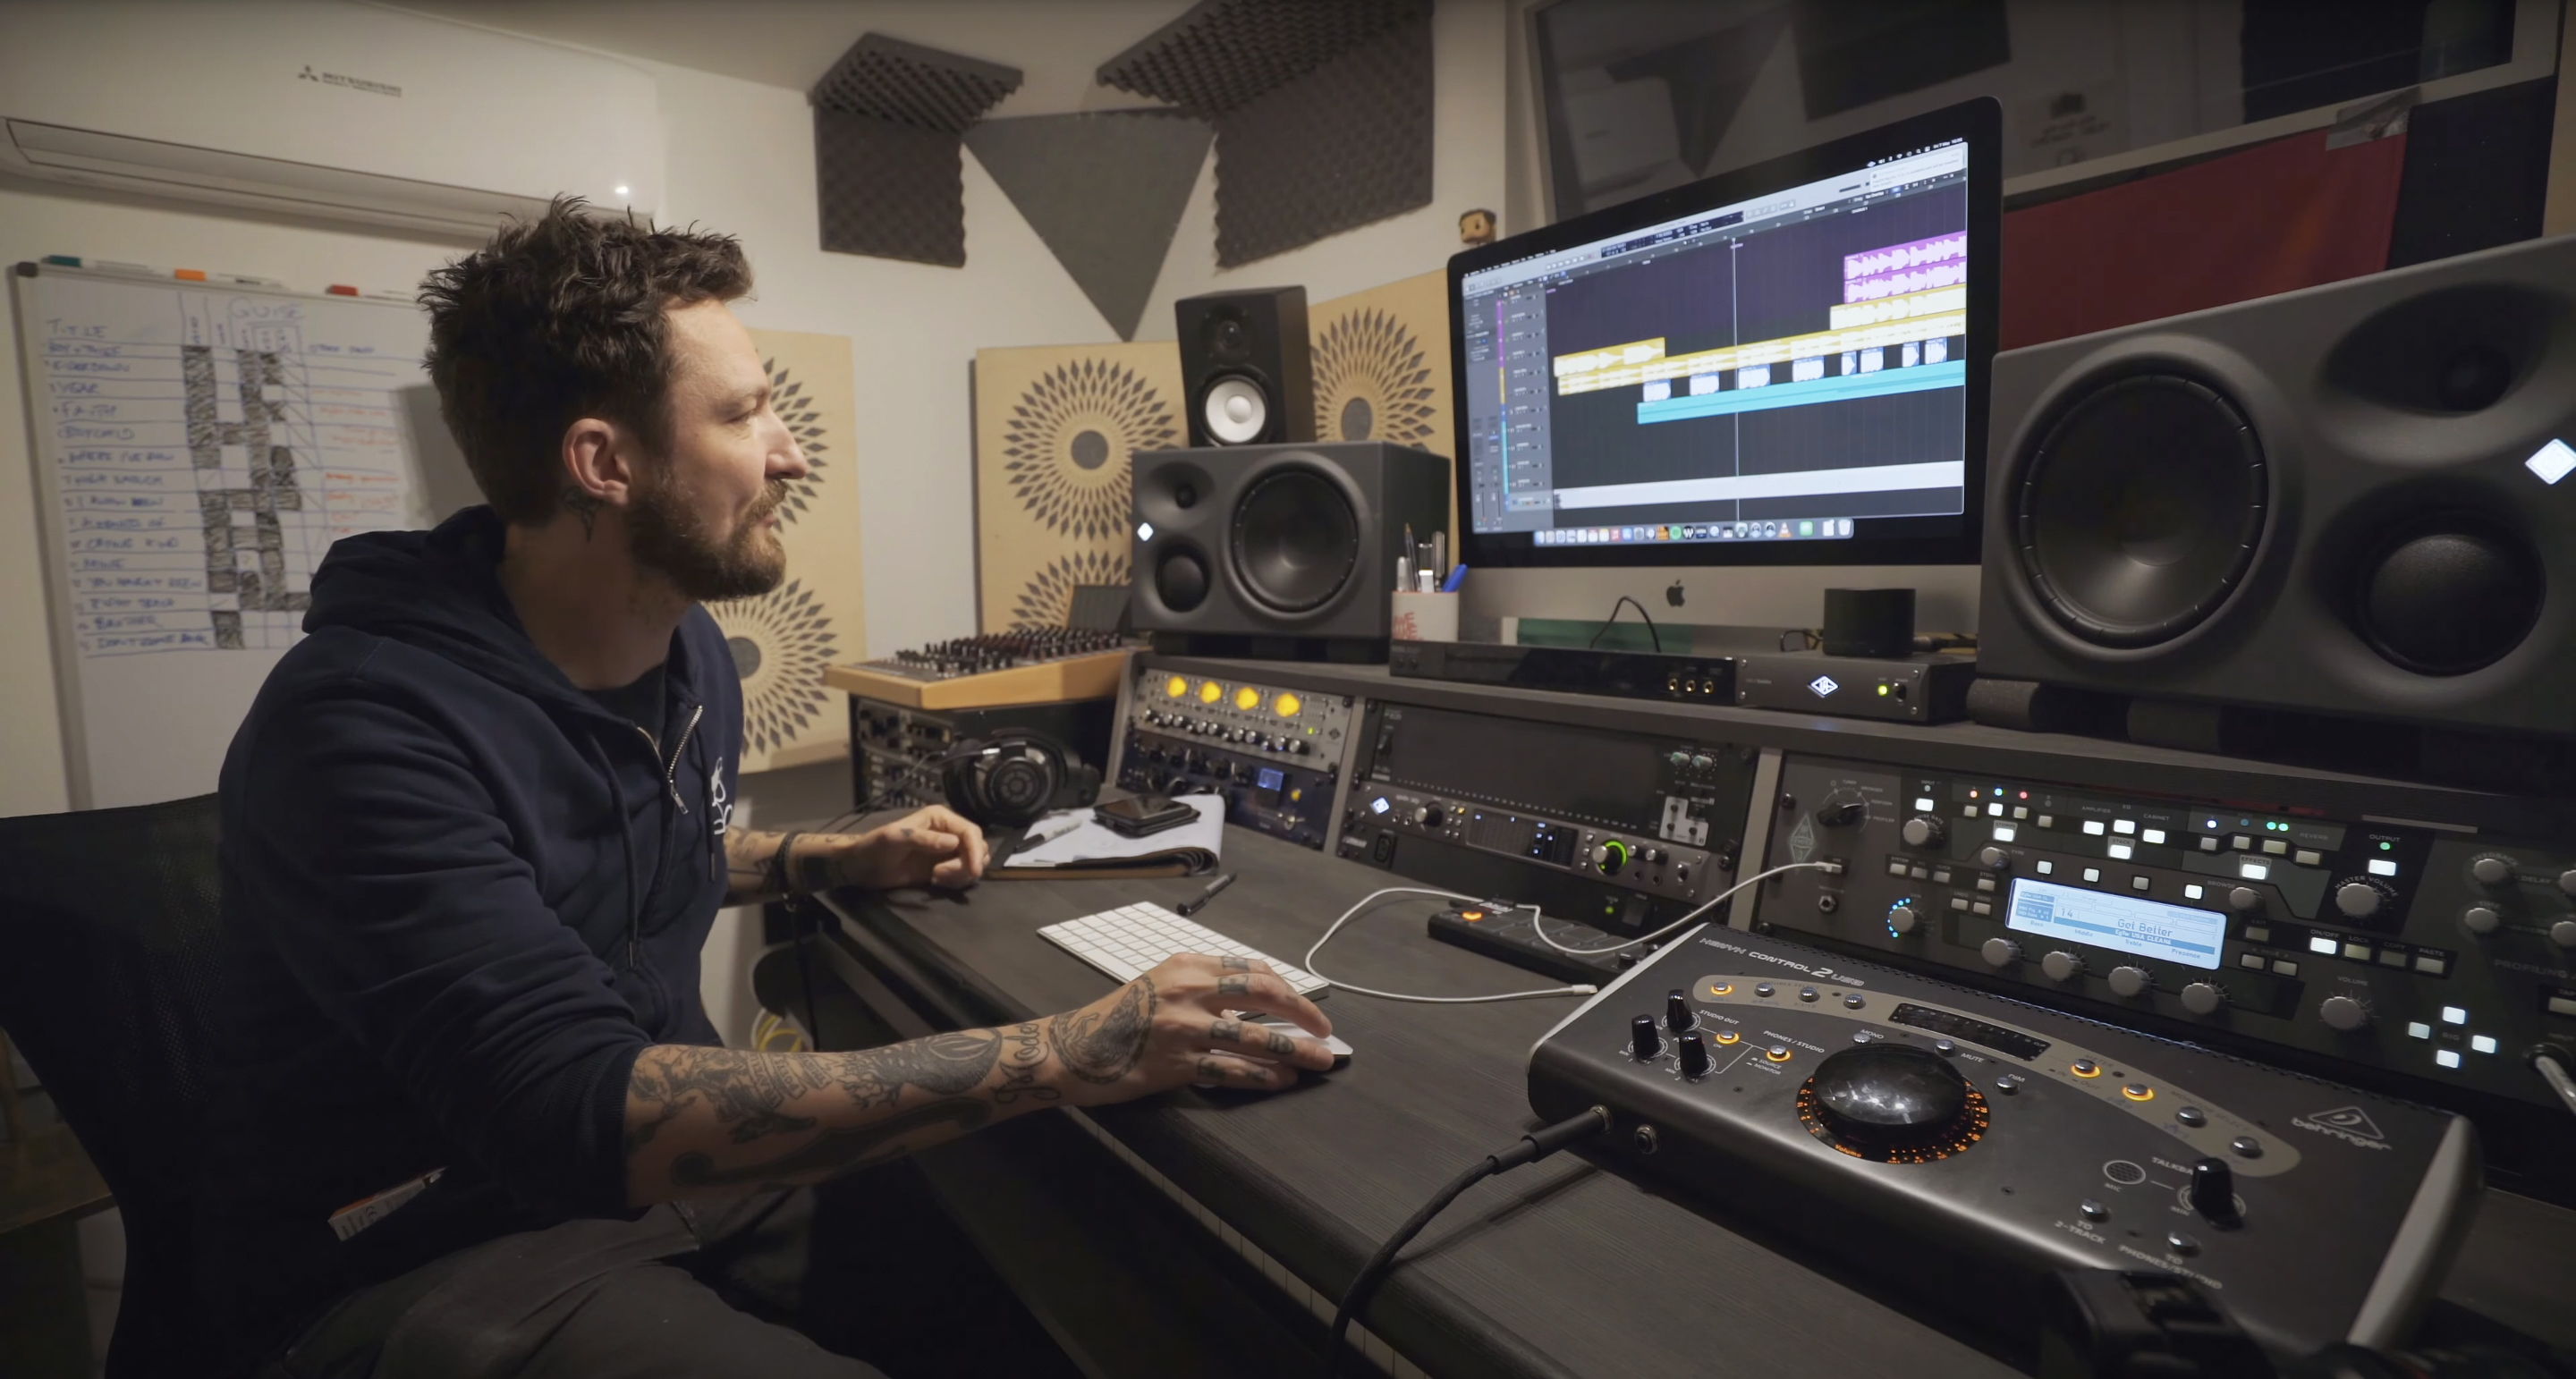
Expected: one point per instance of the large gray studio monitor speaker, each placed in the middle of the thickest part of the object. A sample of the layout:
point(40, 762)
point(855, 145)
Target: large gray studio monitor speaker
point(2342, 500)
point(1295, 541)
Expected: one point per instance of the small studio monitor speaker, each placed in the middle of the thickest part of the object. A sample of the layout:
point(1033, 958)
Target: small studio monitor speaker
point(1279, 541)
point(2344, 500)
point(1245, 364)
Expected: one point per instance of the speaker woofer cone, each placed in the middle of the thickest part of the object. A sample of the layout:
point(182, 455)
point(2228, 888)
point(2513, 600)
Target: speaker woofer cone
point(2139, 511)
point(1296, 540)
point(1235, 409)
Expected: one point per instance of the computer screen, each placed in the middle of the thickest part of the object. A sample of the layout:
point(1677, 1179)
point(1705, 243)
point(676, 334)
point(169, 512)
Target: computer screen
point(1780, 365)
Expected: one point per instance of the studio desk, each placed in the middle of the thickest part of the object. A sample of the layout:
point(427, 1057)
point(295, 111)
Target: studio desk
point(1197, 1232)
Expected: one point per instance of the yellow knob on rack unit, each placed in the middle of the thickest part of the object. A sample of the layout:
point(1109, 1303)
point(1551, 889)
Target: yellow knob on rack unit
point(1247, 698)
point(1210, 691)
point(1287, 705)
point(1178, 687)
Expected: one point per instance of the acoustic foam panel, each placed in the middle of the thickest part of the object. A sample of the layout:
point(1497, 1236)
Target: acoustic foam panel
point(1104, 192)
point(887, 121)
point(1322, 111)
point(782, 640)
point(1055, 429)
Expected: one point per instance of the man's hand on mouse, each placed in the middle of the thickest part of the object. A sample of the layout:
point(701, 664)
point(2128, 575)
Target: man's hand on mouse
point(1176, 1026)
point(936, 846)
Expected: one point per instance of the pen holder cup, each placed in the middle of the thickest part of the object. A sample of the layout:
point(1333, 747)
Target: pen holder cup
point(1426, 617)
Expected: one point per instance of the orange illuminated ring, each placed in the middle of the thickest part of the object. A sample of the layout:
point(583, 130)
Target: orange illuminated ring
point(1727, 1036)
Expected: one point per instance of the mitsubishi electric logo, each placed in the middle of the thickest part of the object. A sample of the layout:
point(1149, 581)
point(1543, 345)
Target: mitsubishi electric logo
point(352, 83)
point(2350, 1124)
point(1824, 686)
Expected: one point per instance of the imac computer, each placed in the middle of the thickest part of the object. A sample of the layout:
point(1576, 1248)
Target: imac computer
point(1781, 365)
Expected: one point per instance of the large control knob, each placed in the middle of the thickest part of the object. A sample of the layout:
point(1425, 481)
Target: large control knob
point(1901, 917)
point(2482, 920)
point(1891, 1101)
point(1610, 858)
point(2204, 998)
point(2346, 1013)
point(1644, 1042)
point(2245, 900)
point(1994, 859)
point(2062, 966)
point(2563, 933)
point(2492, 869)
point(1677, 1011)
point(2128, 980)
point(2360, 899)
point(1925, 831)
point(1691, 1050)
point(2000, 952)
point(1841, 812)
point(2213, 1193)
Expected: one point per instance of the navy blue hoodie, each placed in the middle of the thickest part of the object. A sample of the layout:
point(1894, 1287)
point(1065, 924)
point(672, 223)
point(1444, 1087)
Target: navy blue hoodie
point(464, 896)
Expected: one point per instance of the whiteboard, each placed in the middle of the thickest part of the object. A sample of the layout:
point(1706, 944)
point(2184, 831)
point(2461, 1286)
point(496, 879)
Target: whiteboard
point(197, 449)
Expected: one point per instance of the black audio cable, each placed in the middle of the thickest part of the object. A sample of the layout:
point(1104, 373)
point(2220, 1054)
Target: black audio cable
point(1534, 1146)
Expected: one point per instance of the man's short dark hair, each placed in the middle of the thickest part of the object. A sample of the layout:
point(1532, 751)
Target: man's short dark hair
point(556, 319)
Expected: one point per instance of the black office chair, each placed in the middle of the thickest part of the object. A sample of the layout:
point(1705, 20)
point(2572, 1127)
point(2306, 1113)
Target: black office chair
point(110, 959)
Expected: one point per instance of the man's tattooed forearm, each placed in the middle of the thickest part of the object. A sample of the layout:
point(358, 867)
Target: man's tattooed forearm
point(584, 504)
point(1103, 1046)
point(946, 1065)
point(1022, 1064)
point(836, 1150)
point(748, 1092)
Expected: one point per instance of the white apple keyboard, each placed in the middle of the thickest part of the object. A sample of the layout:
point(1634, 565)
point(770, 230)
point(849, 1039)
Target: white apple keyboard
point(1127, 941)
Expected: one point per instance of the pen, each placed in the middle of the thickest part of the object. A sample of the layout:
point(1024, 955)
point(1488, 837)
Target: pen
point(1199, 902)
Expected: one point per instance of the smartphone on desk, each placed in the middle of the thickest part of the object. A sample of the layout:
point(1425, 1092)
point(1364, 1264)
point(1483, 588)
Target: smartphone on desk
point(1138, 816)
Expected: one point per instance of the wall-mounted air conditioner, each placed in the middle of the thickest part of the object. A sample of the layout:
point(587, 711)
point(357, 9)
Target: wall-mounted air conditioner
point(321, 108)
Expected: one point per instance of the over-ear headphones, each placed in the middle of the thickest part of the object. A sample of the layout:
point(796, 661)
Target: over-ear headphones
point(1011, 778)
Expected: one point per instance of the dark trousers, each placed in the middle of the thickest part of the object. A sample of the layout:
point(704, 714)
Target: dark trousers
point(835, 1282)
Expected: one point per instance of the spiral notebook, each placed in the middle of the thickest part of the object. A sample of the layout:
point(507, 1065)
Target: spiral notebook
point(1070, 843)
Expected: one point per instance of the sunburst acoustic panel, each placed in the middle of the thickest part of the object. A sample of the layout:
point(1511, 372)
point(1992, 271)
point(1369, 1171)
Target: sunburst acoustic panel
point(782, 640)
point(1055, 427)
point(1381, 365)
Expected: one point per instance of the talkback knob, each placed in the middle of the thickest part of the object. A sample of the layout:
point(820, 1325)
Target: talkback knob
point(1691, 1051)
point(2127, 980)
point(2345, 1013)
point(1925, 831)
point(2203, 998)
point(2062, 966)
point(2000, 952)
point(2359, 899)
